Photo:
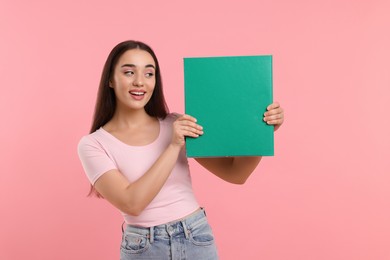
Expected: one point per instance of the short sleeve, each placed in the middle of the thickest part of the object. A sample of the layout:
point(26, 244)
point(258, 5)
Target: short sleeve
point(94, 158)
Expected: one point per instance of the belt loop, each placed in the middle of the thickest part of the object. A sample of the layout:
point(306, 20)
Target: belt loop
point(123, 231)
point(151, 234)
point(185, 229)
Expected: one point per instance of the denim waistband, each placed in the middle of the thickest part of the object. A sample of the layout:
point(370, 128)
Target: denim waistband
point(170, 229)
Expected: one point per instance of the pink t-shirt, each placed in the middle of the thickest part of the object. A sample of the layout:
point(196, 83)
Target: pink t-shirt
point(100, 152)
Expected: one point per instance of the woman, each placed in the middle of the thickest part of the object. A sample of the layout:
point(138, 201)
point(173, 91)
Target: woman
point(134, 158)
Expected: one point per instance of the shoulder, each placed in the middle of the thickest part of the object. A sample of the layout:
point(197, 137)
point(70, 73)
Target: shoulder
point(94, 156)
point(90, 141)
point(171, 117)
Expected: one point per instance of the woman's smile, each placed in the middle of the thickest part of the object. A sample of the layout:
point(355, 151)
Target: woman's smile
point(137, 94)
point(134, 79)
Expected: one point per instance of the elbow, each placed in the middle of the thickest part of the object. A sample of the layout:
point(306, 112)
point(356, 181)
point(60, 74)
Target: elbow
point(238, 178)
point(134, 213)
point(132, 210)
point(133, 205)
point(239, 181)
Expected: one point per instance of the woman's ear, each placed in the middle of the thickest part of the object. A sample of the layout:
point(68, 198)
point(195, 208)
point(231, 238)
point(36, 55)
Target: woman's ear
point(110, 84)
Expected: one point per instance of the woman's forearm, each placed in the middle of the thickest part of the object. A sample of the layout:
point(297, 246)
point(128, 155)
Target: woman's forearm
point(141, 192)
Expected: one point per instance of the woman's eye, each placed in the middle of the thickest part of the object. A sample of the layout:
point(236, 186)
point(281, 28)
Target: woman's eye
point(129, 73)
point(149, 75)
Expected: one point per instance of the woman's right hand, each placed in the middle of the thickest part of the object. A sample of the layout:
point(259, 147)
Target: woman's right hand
point(185, 125)
point(133, 197)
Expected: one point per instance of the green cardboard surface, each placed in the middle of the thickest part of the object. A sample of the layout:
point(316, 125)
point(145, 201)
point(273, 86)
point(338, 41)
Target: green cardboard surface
point(228, 96)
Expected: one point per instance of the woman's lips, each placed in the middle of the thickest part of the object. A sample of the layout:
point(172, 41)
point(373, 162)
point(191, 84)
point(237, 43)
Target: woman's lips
point(137, 95)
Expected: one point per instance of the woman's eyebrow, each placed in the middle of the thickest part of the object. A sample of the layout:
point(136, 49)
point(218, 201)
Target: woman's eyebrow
point(133, 66)
point(128, 65)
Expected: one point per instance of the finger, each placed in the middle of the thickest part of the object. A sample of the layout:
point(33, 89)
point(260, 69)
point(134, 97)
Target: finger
point(275, 122)
point(196, 129)
point(275, 114)
point(273, 106)
point(274, 111)
point(187, 117)
point(191, 129)
point(190, 133)
point(188, 123)
point(273, 117)
point(187, 126)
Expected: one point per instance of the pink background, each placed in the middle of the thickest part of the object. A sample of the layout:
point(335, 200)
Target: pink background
point(326, 193)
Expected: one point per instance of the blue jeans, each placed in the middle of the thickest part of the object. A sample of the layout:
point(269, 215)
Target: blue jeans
point(190, 238)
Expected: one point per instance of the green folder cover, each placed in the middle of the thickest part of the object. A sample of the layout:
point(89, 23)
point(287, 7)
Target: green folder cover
point(228, 96)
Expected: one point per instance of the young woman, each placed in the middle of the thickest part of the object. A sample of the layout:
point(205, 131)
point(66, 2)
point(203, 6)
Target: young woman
point(134, 158)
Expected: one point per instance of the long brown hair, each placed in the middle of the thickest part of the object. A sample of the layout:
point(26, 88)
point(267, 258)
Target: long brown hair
point(106, 101)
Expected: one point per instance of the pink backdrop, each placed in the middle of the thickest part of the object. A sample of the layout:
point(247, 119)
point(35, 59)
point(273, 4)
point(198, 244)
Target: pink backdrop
point(326, 193)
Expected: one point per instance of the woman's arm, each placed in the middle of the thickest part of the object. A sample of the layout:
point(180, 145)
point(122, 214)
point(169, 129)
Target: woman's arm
point(231, 169)
point(237, 169)
point(132, 198)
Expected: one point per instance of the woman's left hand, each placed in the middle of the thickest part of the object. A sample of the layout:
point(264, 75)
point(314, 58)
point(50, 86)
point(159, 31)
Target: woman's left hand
point(274, 115)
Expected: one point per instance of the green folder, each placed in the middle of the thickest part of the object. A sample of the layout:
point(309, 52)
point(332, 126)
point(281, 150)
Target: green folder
point(228, 96)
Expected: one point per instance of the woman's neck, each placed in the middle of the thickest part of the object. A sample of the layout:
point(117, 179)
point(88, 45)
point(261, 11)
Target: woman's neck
point(125, 119)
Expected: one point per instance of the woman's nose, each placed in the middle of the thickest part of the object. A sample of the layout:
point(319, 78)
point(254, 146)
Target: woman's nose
point(138, 81)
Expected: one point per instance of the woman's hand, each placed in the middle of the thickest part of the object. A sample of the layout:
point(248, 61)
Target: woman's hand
point(274, 115)
point(183, 126)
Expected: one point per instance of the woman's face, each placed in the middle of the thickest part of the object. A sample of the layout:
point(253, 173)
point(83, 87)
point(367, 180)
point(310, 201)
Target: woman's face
point(134, 79)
